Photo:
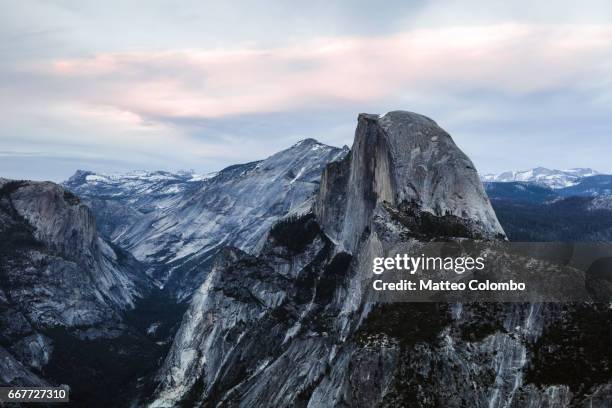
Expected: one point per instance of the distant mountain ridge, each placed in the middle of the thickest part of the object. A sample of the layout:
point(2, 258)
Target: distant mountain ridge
point(543, 176)
point(593, 186)
point(533, 212)
point(177, 222)
point(120, 200)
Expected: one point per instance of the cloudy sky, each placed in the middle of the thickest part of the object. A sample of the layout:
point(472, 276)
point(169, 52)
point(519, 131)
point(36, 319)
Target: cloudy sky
point(116, 86)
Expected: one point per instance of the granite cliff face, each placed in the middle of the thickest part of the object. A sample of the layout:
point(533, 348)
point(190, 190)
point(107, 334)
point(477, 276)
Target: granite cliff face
point(402, 159)
point(177, 223)
point(57, 274)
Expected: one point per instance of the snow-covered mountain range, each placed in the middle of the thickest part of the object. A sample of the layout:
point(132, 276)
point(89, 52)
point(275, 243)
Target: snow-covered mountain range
point(543, 176)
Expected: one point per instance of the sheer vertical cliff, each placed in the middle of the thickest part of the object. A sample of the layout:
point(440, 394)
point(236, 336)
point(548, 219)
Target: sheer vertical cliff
point(401, 158)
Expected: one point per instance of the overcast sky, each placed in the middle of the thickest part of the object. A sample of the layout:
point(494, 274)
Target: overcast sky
point(116, 86)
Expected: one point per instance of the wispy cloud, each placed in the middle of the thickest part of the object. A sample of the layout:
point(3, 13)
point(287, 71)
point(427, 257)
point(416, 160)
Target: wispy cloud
point(510, 58)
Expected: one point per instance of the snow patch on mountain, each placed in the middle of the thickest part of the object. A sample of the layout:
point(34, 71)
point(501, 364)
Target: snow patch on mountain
point(543, 176)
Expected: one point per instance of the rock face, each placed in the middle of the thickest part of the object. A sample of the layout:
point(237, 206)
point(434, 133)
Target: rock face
point(401, 158)
point(293, 326)
point(176, 223)
point(13, 372)
point(56, 272)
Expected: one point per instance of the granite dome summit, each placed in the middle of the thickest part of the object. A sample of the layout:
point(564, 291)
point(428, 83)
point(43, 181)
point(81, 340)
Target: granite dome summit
point(401, 158)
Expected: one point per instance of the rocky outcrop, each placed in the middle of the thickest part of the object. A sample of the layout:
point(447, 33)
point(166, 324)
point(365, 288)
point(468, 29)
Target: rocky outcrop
point(56, 238)
point(56, 273)
point(244, 329)
point(14, 373)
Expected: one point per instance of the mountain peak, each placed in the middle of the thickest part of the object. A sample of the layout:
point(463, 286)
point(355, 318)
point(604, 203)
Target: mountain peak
point(399, 116)
point(308, 142)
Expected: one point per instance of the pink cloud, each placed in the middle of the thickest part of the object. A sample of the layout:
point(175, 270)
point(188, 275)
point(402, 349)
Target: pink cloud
point(512, 58)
